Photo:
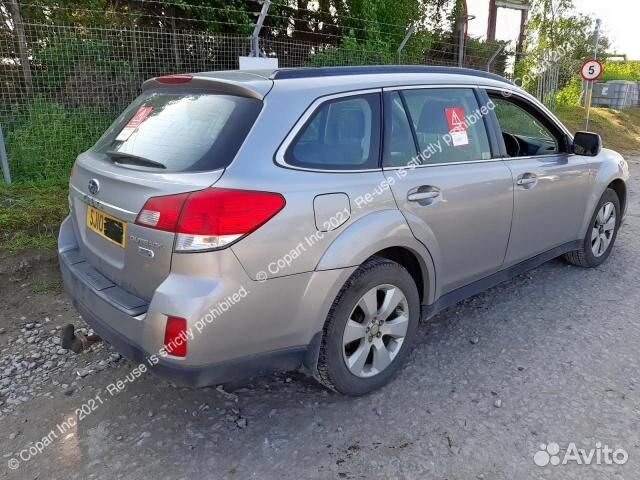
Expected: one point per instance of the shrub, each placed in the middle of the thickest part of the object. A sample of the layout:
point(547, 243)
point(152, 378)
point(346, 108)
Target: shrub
point(570, 94)
point(353, 52)
point(478, 53)
point(44, 142)
point(621, 71)
point(60, 56)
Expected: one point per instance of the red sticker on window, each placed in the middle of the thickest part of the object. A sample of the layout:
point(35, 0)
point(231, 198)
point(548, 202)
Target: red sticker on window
point(457, 126)
point(455, 119)
point(139, 117)
point(135, 122)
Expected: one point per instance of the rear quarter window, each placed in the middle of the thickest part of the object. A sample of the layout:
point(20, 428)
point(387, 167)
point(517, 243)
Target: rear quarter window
point(183, 131)
point(341, 134)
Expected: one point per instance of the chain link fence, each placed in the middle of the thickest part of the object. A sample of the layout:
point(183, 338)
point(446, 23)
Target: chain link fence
point(61, 86)
point(79, 79)
point(556, 80)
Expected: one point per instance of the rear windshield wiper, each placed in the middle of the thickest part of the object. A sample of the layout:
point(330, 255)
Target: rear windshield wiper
point(131, 159)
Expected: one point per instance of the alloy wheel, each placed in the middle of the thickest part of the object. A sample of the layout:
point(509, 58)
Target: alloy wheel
point(375, 330)
point(603, 229)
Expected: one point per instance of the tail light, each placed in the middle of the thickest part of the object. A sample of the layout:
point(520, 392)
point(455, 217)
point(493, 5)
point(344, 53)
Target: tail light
point(212, 218)
point(175, 337)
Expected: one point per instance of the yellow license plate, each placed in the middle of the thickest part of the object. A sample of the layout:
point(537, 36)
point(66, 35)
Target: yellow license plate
point(107, 226)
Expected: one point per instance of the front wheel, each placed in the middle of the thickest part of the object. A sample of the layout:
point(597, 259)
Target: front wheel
point(370, 328)
point(601, 234)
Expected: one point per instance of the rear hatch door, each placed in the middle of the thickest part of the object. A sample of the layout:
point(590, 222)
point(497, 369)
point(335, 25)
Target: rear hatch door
point(169, 141)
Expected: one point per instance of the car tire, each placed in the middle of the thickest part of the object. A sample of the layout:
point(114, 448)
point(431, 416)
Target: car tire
point(601, 234)
point(370, 328)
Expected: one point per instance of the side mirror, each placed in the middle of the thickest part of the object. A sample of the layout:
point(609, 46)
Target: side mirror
point(587, 144)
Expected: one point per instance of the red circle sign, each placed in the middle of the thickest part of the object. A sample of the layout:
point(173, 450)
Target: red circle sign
point(591, 70)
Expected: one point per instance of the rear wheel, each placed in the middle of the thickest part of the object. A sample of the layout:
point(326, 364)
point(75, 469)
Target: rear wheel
point(601, 234)
point(370, 328)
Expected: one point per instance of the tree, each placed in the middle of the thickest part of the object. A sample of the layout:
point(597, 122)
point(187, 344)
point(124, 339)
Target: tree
point(555, 26)
point(558, 38)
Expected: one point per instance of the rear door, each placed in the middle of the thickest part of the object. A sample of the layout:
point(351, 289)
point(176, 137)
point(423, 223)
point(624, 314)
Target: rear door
point(455, 195)
point(550, 185)
point(168, 141)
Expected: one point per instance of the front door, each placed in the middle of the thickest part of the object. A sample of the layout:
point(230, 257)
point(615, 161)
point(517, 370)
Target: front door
point(550, 185)
point(456, 197)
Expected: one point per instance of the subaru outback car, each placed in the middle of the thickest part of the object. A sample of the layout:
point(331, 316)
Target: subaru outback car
point(231, 224)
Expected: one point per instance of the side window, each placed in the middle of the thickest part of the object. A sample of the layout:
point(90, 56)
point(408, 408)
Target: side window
point(342, 134)
point(523, 133)
point(399, 145)
point(447, 124)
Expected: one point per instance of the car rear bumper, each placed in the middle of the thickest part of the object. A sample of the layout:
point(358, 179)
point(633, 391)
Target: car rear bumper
point(238, 369)
point(254, 336)
point(100, 314)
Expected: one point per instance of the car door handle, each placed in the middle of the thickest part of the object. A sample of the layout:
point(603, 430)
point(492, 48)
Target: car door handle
point(527, 180)
point(417, 196)
point(424, 194)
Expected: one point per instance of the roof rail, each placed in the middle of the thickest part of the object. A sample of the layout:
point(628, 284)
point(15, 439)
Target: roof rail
point(310, 72)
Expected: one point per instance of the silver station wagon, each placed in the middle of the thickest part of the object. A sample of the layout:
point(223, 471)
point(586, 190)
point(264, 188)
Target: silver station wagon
point(231, 224)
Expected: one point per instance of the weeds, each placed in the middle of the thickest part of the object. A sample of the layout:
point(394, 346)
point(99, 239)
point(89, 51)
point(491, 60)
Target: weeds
point(30, 216)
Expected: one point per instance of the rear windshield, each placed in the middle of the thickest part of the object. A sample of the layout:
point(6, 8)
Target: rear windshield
point(184, 132)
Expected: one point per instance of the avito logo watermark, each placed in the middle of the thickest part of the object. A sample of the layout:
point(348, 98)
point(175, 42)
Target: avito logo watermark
point(549, 454)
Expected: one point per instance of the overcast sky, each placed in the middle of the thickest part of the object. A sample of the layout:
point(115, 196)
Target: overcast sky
point(619, 22)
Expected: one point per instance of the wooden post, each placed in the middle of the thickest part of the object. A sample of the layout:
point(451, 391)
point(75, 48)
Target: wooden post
point(22, 45)
point(493, 15)
point(524, 14)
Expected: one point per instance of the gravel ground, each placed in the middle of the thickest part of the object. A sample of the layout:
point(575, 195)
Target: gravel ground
point(550, 357)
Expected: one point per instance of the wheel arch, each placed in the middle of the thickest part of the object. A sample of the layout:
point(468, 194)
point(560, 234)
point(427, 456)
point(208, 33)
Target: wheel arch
point(620, 188)
point(410, 262)
point(384, 233)
point(617, 184)
point(610, 170)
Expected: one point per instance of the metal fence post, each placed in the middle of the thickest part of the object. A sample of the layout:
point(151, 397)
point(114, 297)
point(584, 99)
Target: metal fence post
point(462, 24)
point(410, 31)
point(461, 45)
point(494, 56)
point(255, 36)
point(4, 160)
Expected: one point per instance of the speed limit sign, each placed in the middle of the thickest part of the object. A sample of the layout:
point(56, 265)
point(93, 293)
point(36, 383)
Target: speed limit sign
point(591, 70)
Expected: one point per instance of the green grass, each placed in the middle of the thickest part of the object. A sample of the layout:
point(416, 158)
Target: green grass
point(30, 216)
point(620, 129)
point(45, 287)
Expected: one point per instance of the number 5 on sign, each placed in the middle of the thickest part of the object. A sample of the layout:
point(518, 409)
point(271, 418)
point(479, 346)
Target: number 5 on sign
point(591, 70)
